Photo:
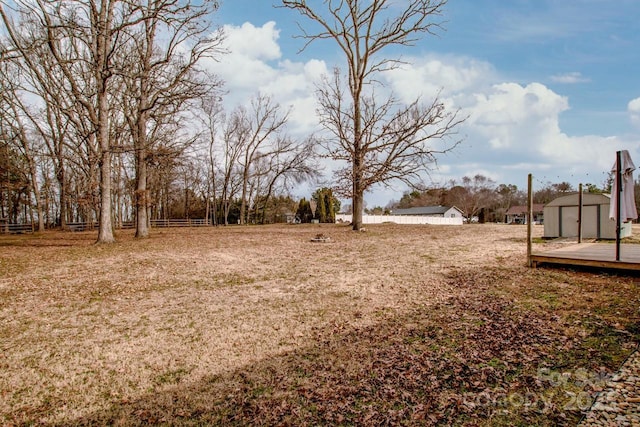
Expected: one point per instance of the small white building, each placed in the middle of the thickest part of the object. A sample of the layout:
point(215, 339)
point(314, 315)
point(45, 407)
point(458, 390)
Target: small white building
point(433, 211)
point(561, 217)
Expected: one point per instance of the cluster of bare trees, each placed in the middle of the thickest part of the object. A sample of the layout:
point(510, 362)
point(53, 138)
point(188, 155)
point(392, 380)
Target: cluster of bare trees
point(481, 197)
point(89, 81)
point(107, 114)
point(252, 158)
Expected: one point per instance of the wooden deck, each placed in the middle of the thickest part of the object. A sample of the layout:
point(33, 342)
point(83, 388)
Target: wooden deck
point(599, 255)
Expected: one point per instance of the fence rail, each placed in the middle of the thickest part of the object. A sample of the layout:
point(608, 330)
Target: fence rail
point(6, 228)
point(195, 222)
point(403, 219)
point(82, 226)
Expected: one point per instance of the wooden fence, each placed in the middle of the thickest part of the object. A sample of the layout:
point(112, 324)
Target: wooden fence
point(195, 222)
point(82, 226)
point(6, 228)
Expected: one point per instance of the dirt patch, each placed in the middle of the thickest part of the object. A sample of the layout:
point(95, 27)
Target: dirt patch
point(259, 325)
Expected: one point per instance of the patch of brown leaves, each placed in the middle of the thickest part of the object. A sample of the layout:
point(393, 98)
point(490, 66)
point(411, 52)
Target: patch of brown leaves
point(256, 325)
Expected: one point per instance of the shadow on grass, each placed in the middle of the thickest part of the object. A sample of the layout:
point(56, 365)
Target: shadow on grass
point(48, 239)
point(474, 360)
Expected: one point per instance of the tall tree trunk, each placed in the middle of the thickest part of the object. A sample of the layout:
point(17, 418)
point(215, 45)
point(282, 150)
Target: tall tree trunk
point(207, 206)
point(214, 206)
point(102, 29)
point(60, 177)
point(357, 204)
point(36, 193)
point(105, 232)
point(33, 173)
point(243, 200)
point(227, 205)
point(141, 195)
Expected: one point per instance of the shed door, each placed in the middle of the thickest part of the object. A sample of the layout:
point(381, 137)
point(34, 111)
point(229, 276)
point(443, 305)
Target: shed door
point(590, 222)
point(568, 221)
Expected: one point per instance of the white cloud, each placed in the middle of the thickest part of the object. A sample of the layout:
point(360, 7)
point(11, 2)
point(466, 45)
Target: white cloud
point(512, 129)
point(634, 110)
point(517, 129)
point(291, 78)
point(247, 66)
point(254, 65)
point(513, 116)
point(429, 76)
point(570, 78)
point(254, 42)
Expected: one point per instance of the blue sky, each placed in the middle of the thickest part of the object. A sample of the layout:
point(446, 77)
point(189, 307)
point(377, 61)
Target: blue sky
point(550, 87)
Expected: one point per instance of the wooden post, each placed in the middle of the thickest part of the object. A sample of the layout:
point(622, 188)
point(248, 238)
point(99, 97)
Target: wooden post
point(618, 201)
point(529, 219)
point(580, 213)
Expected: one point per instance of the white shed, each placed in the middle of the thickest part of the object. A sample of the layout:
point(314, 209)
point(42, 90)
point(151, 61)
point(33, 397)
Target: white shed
point(437, 211)
point(561, 217)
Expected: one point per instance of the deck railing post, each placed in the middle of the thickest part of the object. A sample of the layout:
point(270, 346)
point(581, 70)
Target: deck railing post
point(618, 201)
point(529, 219)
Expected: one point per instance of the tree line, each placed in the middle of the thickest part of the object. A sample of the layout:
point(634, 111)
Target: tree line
point(481, 198)
point(108, 114)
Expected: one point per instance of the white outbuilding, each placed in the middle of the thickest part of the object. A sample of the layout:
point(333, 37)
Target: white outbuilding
point(434, 211)
point(561, 217)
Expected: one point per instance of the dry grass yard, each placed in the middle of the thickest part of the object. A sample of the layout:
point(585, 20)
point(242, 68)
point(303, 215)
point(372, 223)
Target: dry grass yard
point(257, 325)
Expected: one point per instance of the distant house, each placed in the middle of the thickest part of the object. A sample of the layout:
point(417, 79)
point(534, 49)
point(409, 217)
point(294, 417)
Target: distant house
point(518, 214)
point(435, 211)
point(561, 217)
point(290, 218)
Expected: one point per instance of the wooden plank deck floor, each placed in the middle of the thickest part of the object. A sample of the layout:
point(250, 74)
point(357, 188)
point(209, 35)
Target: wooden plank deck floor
point(600, 255)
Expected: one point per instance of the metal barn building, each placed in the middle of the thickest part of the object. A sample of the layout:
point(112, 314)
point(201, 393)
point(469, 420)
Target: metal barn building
point(561, 217)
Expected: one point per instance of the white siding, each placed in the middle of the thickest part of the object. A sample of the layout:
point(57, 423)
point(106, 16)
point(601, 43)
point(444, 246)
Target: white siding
point(453, 213)
point(403, 219)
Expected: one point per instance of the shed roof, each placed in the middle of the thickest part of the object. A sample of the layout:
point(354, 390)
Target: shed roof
point(423, 210)
point(587, 199)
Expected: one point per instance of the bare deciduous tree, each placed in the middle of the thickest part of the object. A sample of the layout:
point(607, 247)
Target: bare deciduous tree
point(209, 114)
point(42, 79)
point(472, 195)
point(233, 134)
point(159, 71)
point(380, 139)
point(97, 65)
point(262, 126)
point(253, 154)
point(291, 162)
point(84, 37)
point(14, 118)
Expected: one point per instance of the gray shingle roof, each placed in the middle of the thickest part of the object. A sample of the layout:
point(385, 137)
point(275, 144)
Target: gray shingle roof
point(422, 210)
